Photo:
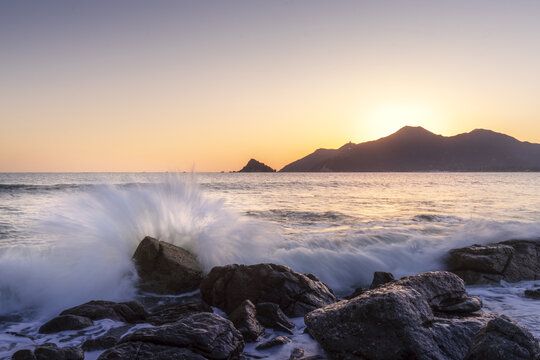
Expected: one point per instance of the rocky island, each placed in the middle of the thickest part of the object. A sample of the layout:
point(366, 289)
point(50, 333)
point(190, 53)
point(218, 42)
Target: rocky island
point(256, 166)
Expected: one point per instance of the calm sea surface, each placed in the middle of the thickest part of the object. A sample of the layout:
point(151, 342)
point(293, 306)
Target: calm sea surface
point(68, 238)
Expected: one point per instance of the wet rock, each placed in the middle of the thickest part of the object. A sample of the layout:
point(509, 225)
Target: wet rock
point(244, 319)
point(100, 343)
point(357, 292)
point(65, 322)
point(206, 334)
point(130, 312)
point(443, 290)
point(50, 351)
point(533, 294)
point(397, 321)
point(275, 341)
point(297, 354)
point(511, 261)
point(165, 268)
point(503, 339)
point(24, 354)
point(381, 278)
point(147, 350)
point(173, 312)
point(271, 316)
point(296, 294)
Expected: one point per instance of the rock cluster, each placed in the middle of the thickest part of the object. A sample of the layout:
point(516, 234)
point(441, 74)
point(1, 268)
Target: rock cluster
point(427, 316)
point(511, 261)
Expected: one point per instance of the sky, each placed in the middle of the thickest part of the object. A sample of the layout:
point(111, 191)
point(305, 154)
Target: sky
point(128, 85)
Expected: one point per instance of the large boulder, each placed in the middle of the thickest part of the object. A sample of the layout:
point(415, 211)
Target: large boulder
point(271, 316)
point(164, 268)
point(65, 322)
point(169, 313)
point(130, 312)
point(296, 294)
point(50, 351)
point(245, 320)
point(503, 339)
point(443, 290)
point(148, 350)
point(511, 261)
point(399, 320)
point(206, 334)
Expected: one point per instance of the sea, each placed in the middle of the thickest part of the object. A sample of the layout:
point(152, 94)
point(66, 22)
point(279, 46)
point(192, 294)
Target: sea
point(67, 238)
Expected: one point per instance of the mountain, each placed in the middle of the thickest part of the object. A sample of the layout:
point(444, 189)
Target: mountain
point(256, 166)
point(417, 149)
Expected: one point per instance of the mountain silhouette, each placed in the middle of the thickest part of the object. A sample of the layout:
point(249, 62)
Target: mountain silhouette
point(417, 149)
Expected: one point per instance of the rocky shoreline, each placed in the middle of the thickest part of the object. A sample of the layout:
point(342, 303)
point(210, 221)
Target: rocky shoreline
point(425, 316)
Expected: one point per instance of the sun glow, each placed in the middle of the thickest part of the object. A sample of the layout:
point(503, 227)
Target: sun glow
point(387, 119)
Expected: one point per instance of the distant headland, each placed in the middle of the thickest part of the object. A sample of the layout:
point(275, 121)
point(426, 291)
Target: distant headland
point(417, 149)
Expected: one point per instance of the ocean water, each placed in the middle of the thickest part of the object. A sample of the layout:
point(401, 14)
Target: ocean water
point(68, 238)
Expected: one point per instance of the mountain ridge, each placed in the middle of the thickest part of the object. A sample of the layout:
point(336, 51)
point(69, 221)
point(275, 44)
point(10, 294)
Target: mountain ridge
point(417, 149)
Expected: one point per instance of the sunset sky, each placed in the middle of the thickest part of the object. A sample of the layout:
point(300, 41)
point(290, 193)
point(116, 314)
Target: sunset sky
point(206, 85)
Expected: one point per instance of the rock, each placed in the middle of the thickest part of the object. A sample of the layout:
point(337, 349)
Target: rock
point(275, 341)
point(357, 292)
point(443, 290)
point(146, 350)
point(173, 312)
point(297, 354)
point(503, 339)
point(65, 322)
point(381, 278)
point(533, 294)
point(271, 316)
point(49, 351)
point(206, 334)
point(165, 268)
point(100, 343)
point(397, 321)
point(296, 294)
point(130, 312)
point(256, 166)
point(24, 354)
point(511, 261)
point(244, 319)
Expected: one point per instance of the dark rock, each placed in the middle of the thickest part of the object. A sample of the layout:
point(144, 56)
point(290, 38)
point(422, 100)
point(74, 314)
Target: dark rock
point(381, 278)
point(443, 290)
point(53, 352)
point(315, 357)
point(357, 292)
point(146, 350)
point(297, 354)
point(65, 322)
point(296, 294)
point(275, 341)
point(397, 321)
point(256, 166)
point(244, 319)
point(130, 312)
point(207, 334)
point(173, 312)
point(533, 294)
point(503, 339)
point(271, 316)
point(165, 268)
point(100, 343)
point(25, 354)
point(511, 261)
